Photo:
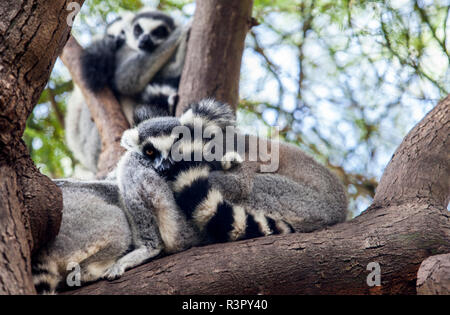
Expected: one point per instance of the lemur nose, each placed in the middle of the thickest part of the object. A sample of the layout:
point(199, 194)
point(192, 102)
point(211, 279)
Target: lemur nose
point(146, 43)
point(120, 41)
point(164, 166)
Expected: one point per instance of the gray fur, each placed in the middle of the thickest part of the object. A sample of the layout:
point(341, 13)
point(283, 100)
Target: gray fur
point(148, 198)
point(94, 233)
point(113, 225)
point(301, 191)
point(135, 70)
point(136, 209)
point(156, 127)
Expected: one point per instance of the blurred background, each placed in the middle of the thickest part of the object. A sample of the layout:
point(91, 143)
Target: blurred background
point(343, 80)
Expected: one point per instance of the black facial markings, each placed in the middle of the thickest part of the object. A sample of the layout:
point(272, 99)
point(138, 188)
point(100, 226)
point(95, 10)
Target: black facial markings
point(221, 224)
point(190, 197)
point(160, 32)
point(150, 148)
point(252, 229)
point(137, 30)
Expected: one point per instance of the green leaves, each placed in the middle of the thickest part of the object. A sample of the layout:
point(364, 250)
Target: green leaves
point(345, 80)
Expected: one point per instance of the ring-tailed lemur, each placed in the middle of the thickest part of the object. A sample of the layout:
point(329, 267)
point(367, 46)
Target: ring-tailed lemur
point(95, 233)
point(136, 75)
point(216, 218)
point(109, 227)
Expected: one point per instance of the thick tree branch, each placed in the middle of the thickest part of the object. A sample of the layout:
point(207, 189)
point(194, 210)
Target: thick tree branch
point(105, 110)
point(332, 261)
point(420, 167)
point(32, 34)
point(434, 275)
point(215, 48)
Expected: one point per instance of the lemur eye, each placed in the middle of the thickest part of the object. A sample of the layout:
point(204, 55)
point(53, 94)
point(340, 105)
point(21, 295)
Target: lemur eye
point(137, 30)
point(160, 32)
point(149, 151)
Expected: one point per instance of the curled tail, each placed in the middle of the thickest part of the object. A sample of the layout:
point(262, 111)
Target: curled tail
point(45, 278)
point(217, 218)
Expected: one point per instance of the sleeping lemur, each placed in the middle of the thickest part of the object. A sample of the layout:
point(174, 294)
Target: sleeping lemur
point(141, 59)
point(108, 227)
point(216, 218)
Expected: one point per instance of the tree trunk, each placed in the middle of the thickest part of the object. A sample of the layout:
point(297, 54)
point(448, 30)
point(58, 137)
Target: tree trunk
point(105, 110)
point(216, 44)
point(32, 34)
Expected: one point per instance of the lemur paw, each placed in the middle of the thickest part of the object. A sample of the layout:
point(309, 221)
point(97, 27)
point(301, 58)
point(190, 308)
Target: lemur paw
point(230, 160)
point(114, 272)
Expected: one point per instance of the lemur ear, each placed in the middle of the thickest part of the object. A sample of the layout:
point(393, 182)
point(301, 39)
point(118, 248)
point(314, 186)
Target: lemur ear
point(209, 111)
point(130, 139)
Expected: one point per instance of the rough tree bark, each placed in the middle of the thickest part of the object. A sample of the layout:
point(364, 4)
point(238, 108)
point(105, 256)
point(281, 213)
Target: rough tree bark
point(104, 108)
point(216, 44)
point(420, 168)
point(407, 223)
point(434, 275)
point(32, 34)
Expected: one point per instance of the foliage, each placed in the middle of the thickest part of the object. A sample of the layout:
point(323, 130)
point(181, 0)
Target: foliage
point(345, 80)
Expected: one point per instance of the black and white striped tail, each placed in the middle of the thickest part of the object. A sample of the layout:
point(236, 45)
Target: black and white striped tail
point(45, 280)
point(216, 217)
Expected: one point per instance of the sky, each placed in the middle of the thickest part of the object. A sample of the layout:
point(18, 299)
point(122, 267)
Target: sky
point(331, 115)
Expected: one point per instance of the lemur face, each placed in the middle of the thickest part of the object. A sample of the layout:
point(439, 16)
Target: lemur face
point(149, 30)
point(153, 140)
point(164, 146)
point(116, 29)
point(158, 151)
